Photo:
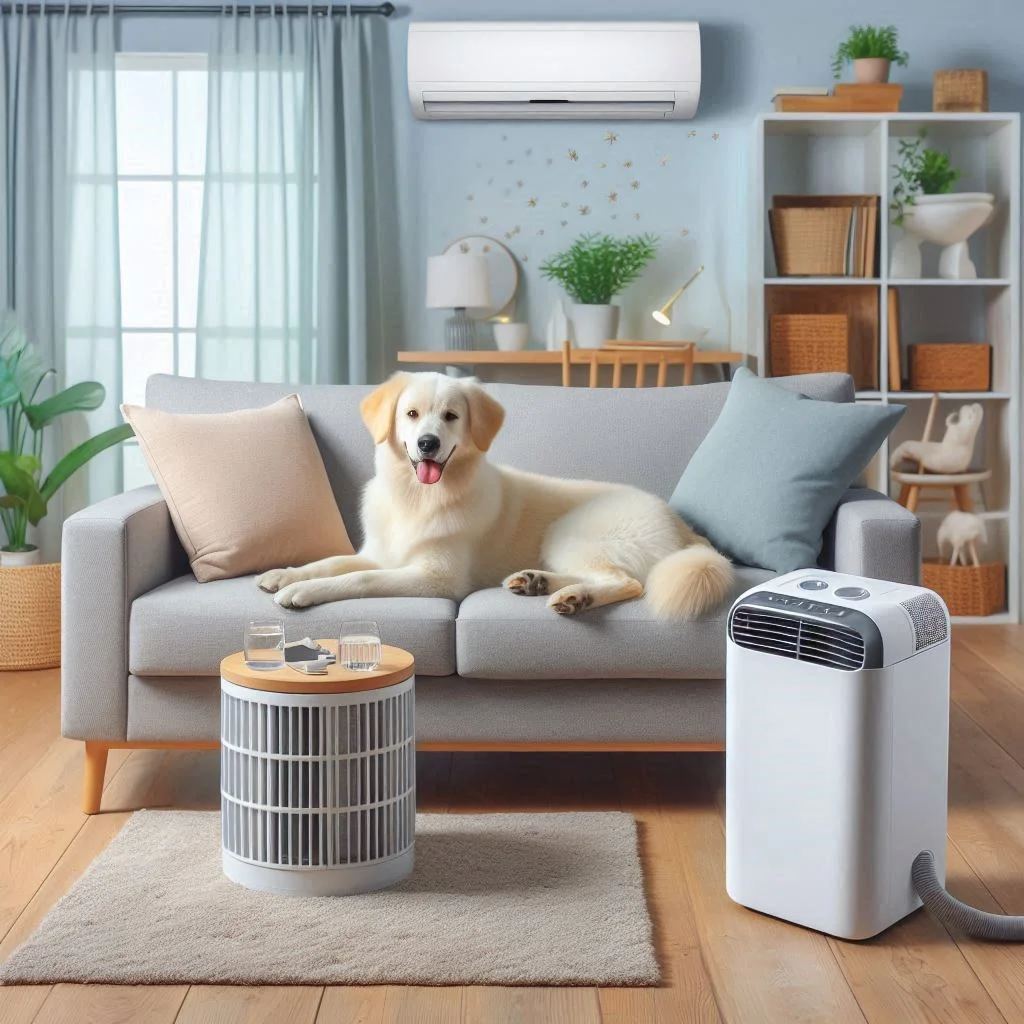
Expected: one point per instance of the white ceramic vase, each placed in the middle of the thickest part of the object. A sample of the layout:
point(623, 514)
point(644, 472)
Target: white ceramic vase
point(947, 220)
point(871, 70)
point(18, 559)
point(511, 337)
point(594, 325)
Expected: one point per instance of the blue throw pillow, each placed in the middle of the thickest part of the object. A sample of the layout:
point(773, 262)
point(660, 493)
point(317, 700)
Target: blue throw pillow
point(766, 479)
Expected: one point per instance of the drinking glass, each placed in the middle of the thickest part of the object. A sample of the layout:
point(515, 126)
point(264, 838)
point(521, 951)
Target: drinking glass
point(264, 644)
point(359, 646)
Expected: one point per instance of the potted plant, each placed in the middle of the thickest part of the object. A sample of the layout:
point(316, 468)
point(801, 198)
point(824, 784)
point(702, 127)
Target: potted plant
point(872, 50)
point(925, 206)
point(29, 592)
point(593, 270)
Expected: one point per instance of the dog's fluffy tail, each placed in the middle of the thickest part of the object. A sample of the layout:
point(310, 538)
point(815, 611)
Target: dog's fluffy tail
point(689, 582)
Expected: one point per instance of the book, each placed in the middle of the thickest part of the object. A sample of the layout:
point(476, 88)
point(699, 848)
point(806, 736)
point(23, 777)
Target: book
point(800, 90)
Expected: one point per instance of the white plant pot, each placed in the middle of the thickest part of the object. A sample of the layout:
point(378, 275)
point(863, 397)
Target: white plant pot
point(871, 70)
point(594, 325)
point(947, 220)
point(18, 559)
point(511, 337)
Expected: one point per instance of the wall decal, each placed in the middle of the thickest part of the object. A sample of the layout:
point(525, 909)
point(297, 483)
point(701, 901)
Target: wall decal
point(634, 184)
point(529, 152)
point(573, 155)
point(532, 201)
point(469, 198)
point(584, 183)
point(565, 203)
point(483, 220)
point(601, 167)
point(519, 184)
point(636, 216)
point(691, 133)
point(549, 161)
point(613, 196)
point(627, 164)
point(540, 231)
point(665, 161)
point(564, 222)
point(611, 138)
point(715, 136)
point(584, 210)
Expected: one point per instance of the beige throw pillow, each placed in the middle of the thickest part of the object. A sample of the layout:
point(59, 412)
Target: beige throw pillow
point(247, 490)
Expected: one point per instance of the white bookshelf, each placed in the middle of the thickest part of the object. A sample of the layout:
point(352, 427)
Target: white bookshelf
point(854, 153)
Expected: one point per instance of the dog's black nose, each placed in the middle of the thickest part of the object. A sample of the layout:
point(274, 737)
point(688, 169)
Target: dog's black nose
point(428, 444)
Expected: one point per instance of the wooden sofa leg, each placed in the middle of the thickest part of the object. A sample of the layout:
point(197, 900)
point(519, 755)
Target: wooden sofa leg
point(95, 770)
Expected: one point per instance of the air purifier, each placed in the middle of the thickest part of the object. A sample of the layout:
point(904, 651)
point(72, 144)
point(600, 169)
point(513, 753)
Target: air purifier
point(837, 727)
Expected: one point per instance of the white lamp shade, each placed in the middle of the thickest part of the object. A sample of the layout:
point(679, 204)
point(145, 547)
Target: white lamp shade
point(457, 280)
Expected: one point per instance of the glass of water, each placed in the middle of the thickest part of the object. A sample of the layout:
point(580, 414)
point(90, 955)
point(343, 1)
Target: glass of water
point(359, 646)
point(264, 644)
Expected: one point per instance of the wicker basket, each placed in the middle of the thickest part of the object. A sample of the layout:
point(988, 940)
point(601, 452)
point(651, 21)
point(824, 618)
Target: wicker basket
point(960, 90)
point(968, 589)
point(950, 367)
point(30, 617)
point(809, 343)
point(811, 241)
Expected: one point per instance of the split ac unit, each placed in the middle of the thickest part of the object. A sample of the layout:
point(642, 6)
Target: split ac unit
point(609, 71)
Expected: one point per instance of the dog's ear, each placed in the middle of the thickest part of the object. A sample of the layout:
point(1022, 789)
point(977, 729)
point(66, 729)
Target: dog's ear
point(378, 407)
point(486, 416)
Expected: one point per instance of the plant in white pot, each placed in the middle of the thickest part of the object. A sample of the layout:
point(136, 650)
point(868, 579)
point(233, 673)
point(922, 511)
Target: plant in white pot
point(27, 491)
point(926, 207)
point(593, 270)
point(872, 50)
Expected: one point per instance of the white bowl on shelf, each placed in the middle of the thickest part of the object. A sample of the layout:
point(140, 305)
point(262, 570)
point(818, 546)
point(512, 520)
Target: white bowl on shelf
point(947, 220)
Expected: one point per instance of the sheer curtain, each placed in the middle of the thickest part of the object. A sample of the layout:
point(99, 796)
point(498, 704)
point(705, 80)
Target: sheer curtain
point(297, 270)
point(59, 265)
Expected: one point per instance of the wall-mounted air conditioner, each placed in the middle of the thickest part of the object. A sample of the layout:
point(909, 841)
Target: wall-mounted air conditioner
point(554, 70)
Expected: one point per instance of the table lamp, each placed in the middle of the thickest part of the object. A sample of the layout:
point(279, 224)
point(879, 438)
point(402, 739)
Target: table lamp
point(664, 315)
point(456, 281)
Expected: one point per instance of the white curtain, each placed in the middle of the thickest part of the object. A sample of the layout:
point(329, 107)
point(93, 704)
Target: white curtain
point(298, 279)
point(59, 266)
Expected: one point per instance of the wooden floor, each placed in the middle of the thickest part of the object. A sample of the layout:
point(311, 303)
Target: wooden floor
point(721, 963)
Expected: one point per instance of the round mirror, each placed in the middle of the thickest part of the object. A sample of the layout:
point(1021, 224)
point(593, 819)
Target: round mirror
point(502, 274)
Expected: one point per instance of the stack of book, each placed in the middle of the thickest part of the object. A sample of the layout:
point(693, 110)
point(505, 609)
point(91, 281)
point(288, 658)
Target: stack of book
point(846, 98)
point(861, 251)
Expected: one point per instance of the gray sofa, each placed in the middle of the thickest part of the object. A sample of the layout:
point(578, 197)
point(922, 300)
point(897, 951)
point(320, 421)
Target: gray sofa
point(142, 639)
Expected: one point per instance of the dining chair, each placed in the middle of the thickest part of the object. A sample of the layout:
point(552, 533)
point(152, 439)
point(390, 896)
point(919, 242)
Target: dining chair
point(620, 354)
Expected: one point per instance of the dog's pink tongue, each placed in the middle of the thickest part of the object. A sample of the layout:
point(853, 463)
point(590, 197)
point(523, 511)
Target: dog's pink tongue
point(428, 472)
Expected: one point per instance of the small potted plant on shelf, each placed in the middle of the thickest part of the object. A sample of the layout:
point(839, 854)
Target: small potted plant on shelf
point(925, 206)
point(593, 270)
point(30, 592)
point(872, 50)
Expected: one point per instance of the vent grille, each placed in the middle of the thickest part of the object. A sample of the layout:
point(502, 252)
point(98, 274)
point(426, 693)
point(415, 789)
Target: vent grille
point(928, 618)
point(803, 639)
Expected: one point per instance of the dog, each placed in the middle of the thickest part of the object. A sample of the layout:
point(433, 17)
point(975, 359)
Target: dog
point(953, 453)
point(440, 520)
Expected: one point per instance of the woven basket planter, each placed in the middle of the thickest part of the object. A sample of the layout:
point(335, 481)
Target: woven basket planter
point(968, 589)
point(960, 90)
point(810, 242)
point(30, 617)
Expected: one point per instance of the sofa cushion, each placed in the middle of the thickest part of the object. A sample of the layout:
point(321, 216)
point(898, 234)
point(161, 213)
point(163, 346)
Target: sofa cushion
point(501, 635)
point(184, 628)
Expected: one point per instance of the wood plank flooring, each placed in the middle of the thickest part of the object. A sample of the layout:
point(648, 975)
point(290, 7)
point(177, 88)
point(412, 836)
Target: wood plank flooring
point(721, 963)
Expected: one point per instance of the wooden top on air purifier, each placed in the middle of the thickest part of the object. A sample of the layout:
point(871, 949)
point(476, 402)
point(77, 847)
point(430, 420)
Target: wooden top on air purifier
point(395, 666)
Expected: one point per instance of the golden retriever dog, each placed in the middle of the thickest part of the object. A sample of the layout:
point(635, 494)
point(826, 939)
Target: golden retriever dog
point(441, 521)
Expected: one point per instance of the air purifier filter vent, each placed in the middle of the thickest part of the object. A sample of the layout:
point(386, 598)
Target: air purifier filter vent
point(928, 618)
point(794, 636)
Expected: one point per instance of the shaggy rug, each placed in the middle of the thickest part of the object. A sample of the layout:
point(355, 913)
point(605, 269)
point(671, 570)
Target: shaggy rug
point(494, 899)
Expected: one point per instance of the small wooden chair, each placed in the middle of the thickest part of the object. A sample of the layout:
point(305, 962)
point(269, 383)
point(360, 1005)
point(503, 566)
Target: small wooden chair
point(618, 354)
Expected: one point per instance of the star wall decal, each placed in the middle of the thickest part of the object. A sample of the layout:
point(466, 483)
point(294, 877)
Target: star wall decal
point(634, 184)
point(684, 232)
point(509, 163)
point(519, 184)
point(613, 196)
point(611, 138)
point(601, 167)
point(584, 183)
point(636, 216)
point(584, 210)
point(565, 204)
point(529, 152)
point(540, 231)
point(532, 201)
point(691, 133)
point(504, 138)
point(550, 160)
point(483, 220)
point(627, 164)
point(490, 181)
point(664, 161)
point(715, 136)
point(563, 223)
point(469, 198)
point(573, 155)
point(615, 216)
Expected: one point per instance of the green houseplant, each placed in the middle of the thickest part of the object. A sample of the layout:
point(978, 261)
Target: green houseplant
point(920, 171)
point(593, 270)
point(872, 50)
point(27, 492)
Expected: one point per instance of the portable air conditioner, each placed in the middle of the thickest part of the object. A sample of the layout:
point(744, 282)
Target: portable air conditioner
point(837, 726)
point(609, 70)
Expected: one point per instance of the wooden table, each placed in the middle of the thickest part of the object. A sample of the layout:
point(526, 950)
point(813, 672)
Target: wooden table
point(542, 357)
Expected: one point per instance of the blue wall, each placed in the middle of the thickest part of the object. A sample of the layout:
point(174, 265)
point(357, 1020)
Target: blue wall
point(693, 176)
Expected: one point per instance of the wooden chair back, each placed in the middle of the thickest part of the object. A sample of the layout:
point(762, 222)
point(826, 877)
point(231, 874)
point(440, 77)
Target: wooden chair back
point(620, 354)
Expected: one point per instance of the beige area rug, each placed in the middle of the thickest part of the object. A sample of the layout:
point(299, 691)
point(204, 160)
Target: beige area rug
point(531, 899)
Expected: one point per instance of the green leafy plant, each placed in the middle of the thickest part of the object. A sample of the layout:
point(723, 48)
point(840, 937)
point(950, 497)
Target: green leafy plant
point(920, 171)
point(595, 268)
point(27, 491)
point(869, 41)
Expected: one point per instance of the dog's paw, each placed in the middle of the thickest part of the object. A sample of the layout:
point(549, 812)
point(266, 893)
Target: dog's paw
point(528, 582)
point(273, 580)
point(570, 600)
point(299, 595)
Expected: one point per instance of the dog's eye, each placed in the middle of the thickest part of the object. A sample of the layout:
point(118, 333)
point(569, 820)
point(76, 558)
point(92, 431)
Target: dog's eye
point(449, 417)
point(412, 414)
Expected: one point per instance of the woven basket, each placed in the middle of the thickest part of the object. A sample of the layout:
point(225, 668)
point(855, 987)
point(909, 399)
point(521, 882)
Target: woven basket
point(968, 589)
point(30, 617)
point(950, 367)
point(960, 90)
point(809, 343)
point(811, 241)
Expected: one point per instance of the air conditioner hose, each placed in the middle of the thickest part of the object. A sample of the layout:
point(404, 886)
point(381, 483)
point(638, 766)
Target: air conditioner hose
point(950, 910)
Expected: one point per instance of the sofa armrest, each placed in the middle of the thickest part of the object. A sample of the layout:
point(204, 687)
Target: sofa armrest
point(112, 552)
point(872, 535)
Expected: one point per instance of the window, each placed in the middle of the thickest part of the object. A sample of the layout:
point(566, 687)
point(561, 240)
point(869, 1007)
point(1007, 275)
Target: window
point(161, 161)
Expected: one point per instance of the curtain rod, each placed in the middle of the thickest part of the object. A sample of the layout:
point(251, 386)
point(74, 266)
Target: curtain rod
point(384, 9)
